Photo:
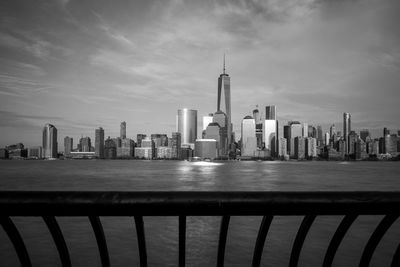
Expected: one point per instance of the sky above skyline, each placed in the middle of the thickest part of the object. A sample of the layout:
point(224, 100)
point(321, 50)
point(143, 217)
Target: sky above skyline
point(84, 64)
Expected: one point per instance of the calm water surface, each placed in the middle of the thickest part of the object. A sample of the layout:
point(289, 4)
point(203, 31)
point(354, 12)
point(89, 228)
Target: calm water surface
point(202, 235)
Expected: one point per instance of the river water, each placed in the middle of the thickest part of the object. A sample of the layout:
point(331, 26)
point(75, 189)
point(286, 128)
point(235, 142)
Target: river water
point(202, 235)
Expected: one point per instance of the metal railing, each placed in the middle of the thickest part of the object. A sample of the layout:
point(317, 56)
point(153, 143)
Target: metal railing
point(51, 204)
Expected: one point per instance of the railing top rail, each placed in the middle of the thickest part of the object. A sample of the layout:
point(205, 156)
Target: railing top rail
point(173, 203)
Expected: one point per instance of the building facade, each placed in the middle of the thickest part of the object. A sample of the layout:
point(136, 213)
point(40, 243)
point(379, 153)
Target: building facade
point(68, 145)
point(122, 130)
point(187, 125)
point(224, 100)
point(346, 130)
point(248, 140)
point(50, 145)
point(99, 143)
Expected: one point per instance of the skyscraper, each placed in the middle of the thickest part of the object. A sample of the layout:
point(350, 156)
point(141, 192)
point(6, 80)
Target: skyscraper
point(50, 141)
point(139, 139)
point(176, 145)
point(68, 145)
point(99, 143)
point(320, 137)
point(270, 112)
point(305, 129)
point(259, 127)
point(249, 141)
point(364, 134)
point(221, 119)
point(122, 131)
point(270, 130)
point(296, 129)
point(207, 120)
point(346, 130)
point(224, 99)
point(186, 124)
point(85, 144)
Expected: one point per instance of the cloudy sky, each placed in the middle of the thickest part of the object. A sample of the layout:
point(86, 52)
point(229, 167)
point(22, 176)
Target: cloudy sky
point(83, 64)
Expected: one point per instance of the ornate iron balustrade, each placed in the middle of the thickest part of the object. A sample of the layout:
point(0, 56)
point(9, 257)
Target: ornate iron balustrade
point(50, 204)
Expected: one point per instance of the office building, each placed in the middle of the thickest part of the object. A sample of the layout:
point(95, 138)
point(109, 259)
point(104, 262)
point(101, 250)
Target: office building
point(221, 119)
point(282, 147)
point(391, 144)
point(187, 125)
point(164, 152)
point(320, 136)
point(3, 153)
point(295, 130)
point(270, 132)
point(257, 115)
point(299, 147)
point(139, 139)
point(259, 128)
point(224, 100)
point(311, 147)
point(270, 112)
point(214, 132)
point(99, 143)
point(312, 131)
point(305, 129)
point(352, 139)
point(286, 135)
point(122, 131)
point(68, 145)
point(207, 120)
point(346, 131)
point(85, 144)
point(206, 149)
point(110, 149)
point(159, 139)
point(50, 144)
point(327, 139)
point(364, 134)
point(127, 149)
point(249, 140)
point(175, 144)
point(149, 144)
point(35, 152)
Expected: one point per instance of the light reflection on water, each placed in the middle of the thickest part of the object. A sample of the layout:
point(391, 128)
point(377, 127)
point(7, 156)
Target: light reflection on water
point(202, 235)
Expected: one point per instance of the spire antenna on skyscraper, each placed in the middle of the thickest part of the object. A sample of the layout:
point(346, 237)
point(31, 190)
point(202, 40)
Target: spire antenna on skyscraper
point(224, 64)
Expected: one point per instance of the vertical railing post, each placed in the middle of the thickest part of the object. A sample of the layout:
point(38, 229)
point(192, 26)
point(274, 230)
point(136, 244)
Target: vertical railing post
point(182, 241)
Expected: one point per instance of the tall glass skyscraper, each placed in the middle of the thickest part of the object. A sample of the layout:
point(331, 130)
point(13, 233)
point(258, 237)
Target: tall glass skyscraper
point(68, 145)
point(186, 125)
point(99, 143)
point(224, 100)
point(122, 130)
point(270, 130)
point(346, 130)
point(50, 141)
point(249, 140)
point(270, 112)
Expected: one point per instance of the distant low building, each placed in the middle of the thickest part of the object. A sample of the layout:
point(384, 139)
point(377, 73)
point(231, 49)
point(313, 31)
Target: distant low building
point(83, 155)
point(164, 152)
point(3, 153)
point(144, 152)
point(35, 152)
point(206, 148)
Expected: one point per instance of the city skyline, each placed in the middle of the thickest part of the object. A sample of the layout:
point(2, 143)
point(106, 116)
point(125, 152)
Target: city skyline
point(79, 66)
